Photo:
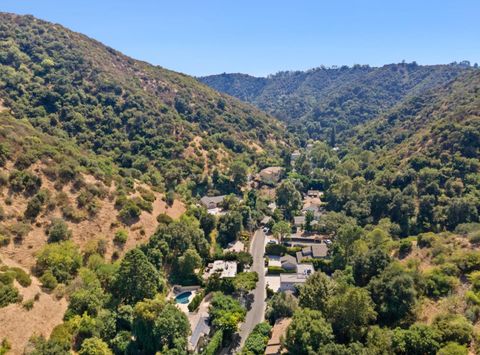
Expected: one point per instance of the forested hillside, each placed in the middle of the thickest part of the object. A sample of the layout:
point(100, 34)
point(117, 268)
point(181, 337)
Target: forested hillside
point(146, 118)
point(417, 165)
point(317, 101)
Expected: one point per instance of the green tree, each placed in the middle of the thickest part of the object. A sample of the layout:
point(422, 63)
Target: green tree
point(368, 265)
point(239, 173)
point(454, 328)
point(316, 291)
point(307, 332)
point(394, 294)
point(281, 305)
point(62, 259)
point(288, 198)
point(281, 229)
point(351, 311)
point(309, 216)
point(137, 278)
point(188, 262)
point(257, 340)
point(94, 346)
point(226, 313)
point(245, 281)
point(58, 231)
point(419, 339)
point(229, 227)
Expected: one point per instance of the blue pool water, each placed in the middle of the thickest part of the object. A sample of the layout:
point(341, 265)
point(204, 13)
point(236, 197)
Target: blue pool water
point(183, 297)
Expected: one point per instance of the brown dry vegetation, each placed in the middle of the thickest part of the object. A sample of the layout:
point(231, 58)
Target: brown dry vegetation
point(19, 324)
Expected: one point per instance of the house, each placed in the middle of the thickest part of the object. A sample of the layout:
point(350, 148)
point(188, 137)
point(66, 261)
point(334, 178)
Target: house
point(212, 202)
point(313, 193)
point(226, 269)
point(295, 155)
point(288, 282)
point(271, 175)
point(288, 262)
point(199, 332)
point(299, 221)
point(272, 206)
point(314, 251)
point(274, 345)
point(312, 208)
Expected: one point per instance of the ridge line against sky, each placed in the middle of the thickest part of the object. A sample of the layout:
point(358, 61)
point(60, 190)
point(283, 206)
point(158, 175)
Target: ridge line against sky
point(263, 37)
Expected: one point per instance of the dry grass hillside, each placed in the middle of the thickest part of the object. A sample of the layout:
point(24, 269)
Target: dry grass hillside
point(45, 179)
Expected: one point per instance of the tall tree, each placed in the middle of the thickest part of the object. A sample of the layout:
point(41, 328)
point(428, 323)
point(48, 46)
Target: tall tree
point(288, 198)
point(137, 278)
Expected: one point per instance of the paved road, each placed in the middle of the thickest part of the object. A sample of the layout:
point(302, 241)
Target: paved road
point(257, 312)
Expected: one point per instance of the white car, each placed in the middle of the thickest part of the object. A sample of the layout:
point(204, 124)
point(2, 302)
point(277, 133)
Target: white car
point(265, 230)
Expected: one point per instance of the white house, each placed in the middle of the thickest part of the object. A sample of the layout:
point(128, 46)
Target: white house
point(288, 282)
point(226, 269)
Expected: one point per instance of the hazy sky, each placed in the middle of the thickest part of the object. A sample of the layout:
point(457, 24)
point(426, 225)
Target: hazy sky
point(260, 37)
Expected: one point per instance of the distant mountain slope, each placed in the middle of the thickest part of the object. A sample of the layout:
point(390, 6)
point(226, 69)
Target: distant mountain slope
point(145, 117)
point(314, 101)
point(441, 121)
point(418, 165)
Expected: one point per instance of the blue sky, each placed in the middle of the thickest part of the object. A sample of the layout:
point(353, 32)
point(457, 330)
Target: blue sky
point(200, 37)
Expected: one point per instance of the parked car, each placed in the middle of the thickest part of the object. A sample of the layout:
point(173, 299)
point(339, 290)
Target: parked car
point(265, 230)
point(328, 241)
point(272, 241)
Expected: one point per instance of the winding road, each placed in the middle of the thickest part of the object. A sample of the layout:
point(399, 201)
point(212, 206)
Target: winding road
point(256, 314)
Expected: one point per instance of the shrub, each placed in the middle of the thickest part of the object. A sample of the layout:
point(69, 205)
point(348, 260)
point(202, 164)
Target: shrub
point(404, 248)
point(142, 204)
point(170, 198)
point(20, 230)
point(275, 249)
point(163, 218)
point(35, 204)
point(120, 237)
point(28, 305)
point(48, 280)
point(58, 231)
point(453, 349)
point(8, 294)
point(454, 328)
point(4, 240)
point(62, 259)
point(438, 284)
point(276, 270)
point(94, 346)
point(24, 181)
point(215, 343)
point(257, 340)
point(22, 277)
point(426, 240)
point(474, 237)
point(2, 213)
point(195, 303)
point(5, 346)
point(129, 212)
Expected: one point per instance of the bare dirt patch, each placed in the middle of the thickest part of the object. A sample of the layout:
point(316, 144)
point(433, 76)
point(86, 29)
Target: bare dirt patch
point(19, 324)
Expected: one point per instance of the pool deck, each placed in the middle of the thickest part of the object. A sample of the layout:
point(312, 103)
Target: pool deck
point(184, 306)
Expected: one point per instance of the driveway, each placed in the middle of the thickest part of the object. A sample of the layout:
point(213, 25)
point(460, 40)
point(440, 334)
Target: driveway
point(257, 313)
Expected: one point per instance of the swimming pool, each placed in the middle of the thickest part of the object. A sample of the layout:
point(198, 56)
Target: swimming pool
point(183, 297)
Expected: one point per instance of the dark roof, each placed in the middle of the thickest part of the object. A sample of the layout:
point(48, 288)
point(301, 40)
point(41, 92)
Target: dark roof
point(206, 200)
point(319, 250)
point(299, 256)
point(299, 220)
point(307, 250)
point(288, 258)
